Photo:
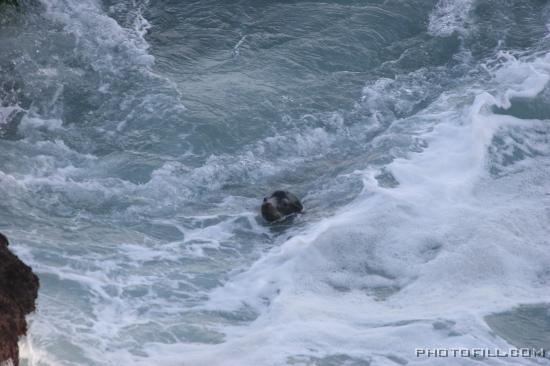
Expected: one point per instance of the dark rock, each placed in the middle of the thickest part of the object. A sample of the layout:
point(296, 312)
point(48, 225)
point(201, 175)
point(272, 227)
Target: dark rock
point(18, 292)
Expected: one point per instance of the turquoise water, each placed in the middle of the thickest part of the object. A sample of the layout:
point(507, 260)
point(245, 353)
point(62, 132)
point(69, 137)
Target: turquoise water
point(138, 138)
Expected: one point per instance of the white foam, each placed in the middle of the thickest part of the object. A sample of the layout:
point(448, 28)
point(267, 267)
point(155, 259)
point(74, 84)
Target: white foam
point(450, 16)
point(447, 246)
point(7, 112)
point(100, 35)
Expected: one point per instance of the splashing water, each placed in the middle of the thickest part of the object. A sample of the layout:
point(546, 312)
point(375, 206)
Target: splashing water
point(138, 137)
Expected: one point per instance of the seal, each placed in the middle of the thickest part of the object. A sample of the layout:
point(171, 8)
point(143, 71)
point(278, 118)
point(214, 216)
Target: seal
point(279, 205)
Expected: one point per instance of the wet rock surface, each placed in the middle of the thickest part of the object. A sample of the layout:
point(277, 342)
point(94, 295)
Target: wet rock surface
point(18, 292)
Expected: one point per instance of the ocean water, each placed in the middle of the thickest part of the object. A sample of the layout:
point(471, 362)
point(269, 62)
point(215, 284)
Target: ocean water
point(137, 138)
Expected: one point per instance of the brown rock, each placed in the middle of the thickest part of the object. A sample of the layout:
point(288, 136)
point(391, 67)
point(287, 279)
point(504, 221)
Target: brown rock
point(18, 291)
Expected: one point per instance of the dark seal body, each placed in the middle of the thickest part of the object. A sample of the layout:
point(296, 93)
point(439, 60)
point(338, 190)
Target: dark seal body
point(279, 205)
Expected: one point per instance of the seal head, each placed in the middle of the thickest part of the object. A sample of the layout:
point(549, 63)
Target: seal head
point(279, 205)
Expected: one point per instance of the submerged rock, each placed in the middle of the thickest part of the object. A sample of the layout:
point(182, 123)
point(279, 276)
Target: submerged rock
point(18, 292)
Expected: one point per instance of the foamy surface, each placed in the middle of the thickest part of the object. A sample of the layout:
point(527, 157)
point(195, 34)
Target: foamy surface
point(138, 138)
